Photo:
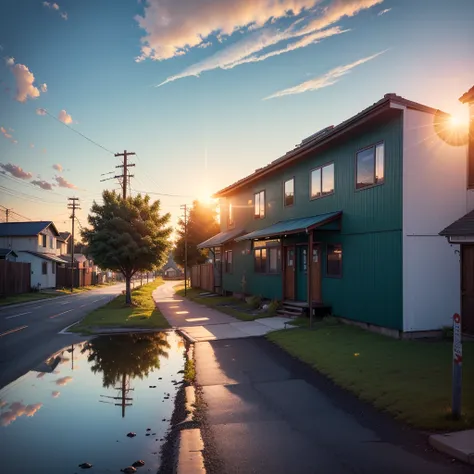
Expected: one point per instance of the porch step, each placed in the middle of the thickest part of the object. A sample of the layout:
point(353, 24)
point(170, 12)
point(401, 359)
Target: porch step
point(288, 314)
point(292, 310)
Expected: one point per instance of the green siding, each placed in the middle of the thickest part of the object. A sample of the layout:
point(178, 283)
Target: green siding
point(370, 289)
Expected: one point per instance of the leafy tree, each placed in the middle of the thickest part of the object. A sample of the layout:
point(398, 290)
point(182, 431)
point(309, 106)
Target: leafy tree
point(127, 236)
point(202, 225)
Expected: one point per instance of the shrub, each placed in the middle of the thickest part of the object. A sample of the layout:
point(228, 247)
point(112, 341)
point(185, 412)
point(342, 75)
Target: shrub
point(254, 301)
point(273, 307)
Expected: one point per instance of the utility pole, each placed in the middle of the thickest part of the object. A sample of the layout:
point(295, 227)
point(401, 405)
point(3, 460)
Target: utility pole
point(73, 205)
point(7, 213)
point(185, 247)
point(125, 176)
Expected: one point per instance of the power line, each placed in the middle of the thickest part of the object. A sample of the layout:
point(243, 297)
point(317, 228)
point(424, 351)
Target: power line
point(124, 178)
point(28, 197)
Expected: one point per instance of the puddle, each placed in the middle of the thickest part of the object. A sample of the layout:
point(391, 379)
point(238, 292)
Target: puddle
point(85, 400)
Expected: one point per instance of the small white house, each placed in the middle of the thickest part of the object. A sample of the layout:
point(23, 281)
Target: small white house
point(35, 243)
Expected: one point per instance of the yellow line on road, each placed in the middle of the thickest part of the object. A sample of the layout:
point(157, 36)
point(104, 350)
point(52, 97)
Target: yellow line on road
point(12, 331)
point(56, 315)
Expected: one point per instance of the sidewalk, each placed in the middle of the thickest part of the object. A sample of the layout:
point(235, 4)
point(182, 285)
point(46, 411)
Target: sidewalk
point(200, 323)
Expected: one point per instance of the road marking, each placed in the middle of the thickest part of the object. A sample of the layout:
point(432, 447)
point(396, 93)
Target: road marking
point(13, 330)
point(60, 314)
point(99, 299)
point(67, 302)
point(17, 315)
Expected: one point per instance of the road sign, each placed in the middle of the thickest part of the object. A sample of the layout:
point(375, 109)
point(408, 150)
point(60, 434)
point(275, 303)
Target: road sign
point(457, 366)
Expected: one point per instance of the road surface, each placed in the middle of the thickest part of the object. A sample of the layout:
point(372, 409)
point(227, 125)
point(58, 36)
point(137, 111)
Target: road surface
point(29, 333)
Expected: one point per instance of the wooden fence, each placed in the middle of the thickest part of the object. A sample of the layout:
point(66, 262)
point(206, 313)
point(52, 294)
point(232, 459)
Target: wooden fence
point(81, 277)
point(202, 276)
point(15, 278)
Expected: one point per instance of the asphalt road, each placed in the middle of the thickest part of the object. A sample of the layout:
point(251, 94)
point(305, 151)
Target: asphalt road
point(29, 333)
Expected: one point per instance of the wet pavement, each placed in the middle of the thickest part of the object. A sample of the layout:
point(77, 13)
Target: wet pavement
point(79, 406)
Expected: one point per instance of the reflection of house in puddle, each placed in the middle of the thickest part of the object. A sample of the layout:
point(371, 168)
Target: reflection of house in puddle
point(49, 366)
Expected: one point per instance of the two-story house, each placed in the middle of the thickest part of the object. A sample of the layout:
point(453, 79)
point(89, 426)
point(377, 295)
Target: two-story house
point(36, 243)
point(349, 219)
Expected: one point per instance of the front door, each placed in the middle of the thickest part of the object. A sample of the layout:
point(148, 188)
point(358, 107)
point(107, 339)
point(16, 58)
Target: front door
point(302, 273)
point(467, 289)
point(316, 274)
point(289, 273)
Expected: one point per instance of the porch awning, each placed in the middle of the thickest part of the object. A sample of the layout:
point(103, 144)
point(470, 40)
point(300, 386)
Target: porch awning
point(460, 230)
point(220, 239)
point(293, 226)
point(45, 256)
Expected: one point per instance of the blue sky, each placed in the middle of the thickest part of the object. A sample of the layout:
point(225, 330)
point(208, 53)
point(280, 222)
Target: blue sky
point(205, 91)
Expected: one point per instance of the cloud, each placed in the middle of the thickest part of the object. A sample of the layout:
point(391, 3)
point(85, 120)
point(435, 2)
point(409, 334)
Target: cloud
point(64, 15)
point(63, 381)
point(55, 6)
point(205, 45)
point(5, 133)
point(309, 28)
point(32, 145)
point(42, 184)
point(9, 61)
point(17, 409)
point(16, 171)
point(41, 111)
point(44, 87)
point(62, 183)
point(25, 87)
point(55, 394)
point(58, 167)
point(65, 117)
point(325, 80)
point(382, 12)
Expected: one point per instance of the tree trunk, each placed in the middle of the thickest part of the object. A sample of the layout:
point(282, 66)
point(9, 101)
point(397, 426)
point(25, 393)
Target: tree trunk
point(128, 291)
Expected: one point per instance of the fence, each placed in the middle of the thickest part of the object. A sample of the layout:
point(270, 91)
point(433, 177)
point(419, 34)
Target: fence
point(15, 278)
point(202, 276)
point(81, 277)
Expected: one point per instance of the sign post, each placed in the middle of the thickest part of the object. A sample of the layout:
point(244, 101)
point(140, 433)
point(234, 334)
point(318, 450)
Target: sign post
point(457, 366)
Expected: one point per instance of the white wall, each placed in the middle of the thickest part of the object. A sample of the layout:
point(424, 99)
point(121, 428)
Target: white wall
point(46, 281)
point(21, 243)
point(434, 196)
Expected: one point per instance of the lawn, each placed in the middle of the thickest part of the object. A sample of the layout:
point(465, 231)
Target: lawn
point(409, 379)
point(25, 298)
point(239, 310)
point(143, 315)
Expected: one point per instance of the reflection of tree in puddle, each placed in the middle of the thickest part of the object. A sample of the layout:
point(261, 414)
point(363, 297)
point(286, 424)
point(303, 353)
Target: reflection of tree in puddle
point(132, 355)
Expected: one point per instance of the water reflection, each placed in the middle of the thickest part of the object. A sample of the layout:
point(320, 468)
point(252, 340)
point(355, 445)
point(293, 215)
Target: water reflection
point(17, 409)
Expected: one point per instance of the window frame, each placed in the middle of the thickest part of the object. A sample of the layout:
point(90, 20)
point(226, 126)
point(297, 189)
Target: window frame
point(230, 216)
point(44, 268)
point(53, 268)
point(330, 275)
point(374, 146)
point(329, 163)
point(44, 242)
point(260, 206)
point(275, 245)
point(228, 266)
point(284, 192)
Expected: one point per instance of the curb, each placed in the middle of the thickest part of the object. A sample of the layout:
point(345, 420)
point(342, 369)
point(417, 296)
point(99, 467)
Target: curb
point(189, 338)
point(459, 445)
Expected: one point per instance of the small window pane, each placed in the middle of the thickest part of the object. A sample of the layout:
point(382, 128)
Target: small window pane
point(328, 179)
point(334, 260)
point(230, 216)
point(257, 260)
point(365, 168)
point(316, 183)
point(44, 268)
point(289, 192)
point(264, 260)
point(273, 260)
point(257, 205)
point(379, 163)
point(262, 204)
point(44, 241)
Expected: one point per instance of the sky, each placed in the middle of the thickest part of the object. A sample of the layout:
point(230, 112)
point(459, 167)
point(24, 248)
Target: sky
point(204, 92)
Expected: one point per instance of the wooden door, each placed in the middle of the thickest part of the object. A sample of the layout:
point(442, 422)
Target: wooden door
point(316, 274)
point(289, 273)
point(467, 289)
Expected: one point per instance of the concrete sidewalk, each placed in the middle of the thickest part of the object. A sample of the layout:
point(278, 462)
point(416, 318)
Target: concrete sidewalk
point(200, 323)
point(459, 445)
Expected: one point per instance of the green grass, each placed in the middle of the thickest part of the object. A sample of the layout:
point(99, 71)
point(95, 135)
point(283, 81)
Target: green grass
point(409, 379)
point(142, 315)
point(189, 371)
point(216, 302)
point(25, 298)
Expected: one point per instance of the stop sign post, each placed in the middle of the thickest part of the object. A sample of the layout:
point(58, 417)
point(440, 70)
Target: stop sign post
point(457, 366)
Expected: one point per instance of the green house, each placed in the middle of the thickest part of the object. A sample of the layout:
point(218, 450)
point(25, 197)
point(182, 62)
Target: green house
point(348, 221)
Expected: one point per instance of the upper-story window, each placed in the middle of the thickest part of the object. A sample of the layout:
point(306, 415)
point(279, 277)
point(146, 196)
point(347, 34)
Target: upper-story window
point(289, 198)
point(259, 205)
point(51, 242)
point(322, 181)
point(230, 216)
point(44, 240)
point(370, 166)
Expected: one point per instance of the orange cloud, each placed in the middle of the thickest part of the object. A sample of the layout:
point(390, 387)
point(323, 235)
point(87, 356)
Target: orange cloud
point(16, 410)
point(63, 381)
point(55, 394)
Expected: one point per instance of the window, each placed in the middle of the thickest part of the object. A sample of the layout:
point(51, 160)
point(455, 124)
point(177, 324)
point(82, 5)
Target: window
point(228, 261)
point(322, 181)
point(58, 244)
point(44, 240)
point(53, 267)
point(230, 216)
point(259, 203)
point(289, 198)
point(51, 243)
point(267, 256)
point(334, 260)
point(44, 268)
point(370, 166)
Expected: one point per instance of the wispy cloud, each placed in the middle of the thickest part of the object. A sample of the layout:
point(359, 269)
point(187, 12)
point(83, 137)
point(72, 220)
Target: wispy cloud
point(63, 183)
point(44, 87)
point(16, 171)
point(55, 394)
point(58, 167)
point(5, 133)
point(55, 6)
point(63, 381)
point(9, 61)
point(308, 26)
point(64, 15)
point(42, 184)
point(382, 12)
point(325, 80)
point(41, 111)
point(65, 117)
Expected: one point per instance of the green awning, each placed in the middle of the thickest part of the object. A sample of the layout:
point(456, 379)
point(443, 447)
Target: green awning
point(220, 239)
point(292, 226)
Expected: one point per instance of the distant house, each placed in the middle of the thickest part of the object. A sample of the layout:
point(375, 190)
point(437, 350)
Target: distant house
point(171, 270)
point(35, 243)
point(8, 254)
point(63, 243)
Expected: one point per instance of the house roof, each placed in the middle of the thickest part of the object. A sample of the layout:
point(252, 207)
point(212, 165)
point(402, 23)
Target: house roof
point(25, 229)
point(45, 256)
point(78, 257)
point(389, 101)
point(468, 97)
point(5, 252)
point(292, 226)
point(461, 227)
point(220, 239)
point(64, 236)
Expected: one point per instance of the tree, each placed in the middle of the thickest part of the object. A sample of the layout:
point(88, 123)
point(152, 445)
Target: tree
point(202, 225)
point(127, 236)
